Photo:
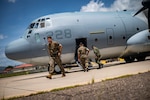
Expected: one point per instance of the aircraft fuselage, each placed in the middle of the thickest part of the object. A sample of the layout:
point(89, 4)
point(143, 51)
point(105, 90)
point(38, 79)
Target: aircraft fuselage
point(111, 32)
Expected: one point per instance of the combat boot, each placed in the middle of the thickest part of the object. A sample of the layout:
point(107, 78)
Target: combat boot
point(99, 66)
point(102, 65)
point(49, 76)
point(63, 75)
point(87, 69)
point(84, 69)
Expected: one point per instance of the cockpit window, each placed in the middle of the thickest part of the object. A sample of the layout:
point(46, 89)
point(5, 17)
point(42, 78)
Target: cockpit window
point(36, 25)
point(42, 25)
point(31, 25)
point(37, 37)
point(39, 20)
point(43, 19)
point(47, 18)
point(48, 23)
point(30, 31)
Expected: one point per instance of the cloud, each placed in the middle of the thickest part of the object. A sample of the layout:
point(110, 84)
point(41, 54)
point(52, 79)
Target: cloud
point(118, 5)
point(93, 6)
point(2, 36)
point(12, 1)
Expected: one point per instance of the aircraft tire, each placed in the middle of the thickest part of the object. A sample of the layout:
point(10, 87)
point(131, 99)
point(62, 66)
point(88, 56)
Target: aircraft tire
point(129, 59)
point(140, 58)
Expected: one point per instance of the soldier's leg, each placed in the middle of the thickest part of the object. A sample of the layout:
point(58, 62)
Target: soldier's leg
point(59, 63)
point(83, 63)
point(96, 59)
point(51, 68)
point(99, 63)
point(52, 63)
point(86, 64)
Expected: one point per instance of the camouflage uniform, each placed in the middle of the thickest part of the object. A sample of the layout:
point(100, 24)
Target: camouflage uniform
point(83, 57)
point(98, 56)
point(55, 58)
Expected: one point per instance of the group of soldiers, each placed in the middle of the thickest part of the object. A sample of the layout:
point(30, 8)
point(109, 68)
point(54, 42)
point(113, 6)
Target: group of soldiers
point(55, 50)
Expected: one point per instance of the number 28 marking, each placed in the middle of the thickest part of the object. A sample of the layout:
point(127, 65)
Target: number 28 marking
point(60, 34)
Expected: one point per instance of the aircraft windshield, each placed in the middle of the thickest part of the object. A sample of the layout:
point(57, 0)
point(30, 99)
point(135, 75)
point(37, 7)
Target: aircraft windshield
point(33, 25)
point(41, 23)
point(38, 24)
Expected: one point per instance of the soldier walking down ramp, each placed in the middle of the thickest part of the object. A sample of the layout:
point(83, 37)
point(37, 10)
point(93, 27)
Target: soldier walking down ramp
point(83, 56)
point(98, 56)
point(55, 50)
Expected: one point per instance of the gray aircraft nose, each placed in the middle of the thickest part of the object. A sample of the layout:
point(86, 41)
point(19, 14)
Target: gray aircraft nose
point(17, 49)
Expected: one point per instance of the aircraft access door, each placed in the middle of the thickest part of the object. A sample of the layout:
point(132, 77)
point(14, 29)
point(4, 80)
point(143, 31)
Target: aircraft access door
point(110, 36)
point(78, 41)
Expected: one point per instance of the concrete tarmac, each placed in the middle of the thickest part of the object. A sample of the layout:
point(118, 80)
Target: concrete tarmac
point(33, 83)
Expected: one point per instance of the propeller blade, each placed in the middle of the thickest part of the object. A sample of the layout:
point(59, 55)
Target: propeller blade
point(140, 11)
point(146, 3)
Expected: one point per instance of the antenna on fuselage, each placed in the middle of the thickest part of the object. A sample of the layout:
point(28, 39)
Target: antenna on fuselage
point(146, 5)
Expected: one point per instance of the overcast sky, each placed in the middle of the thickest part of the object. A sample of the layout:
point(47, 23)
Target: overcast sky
point(16, 15)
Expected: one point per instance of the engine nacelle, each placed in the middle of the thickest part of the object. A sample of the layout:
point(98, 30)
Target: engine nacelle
point(139, 43)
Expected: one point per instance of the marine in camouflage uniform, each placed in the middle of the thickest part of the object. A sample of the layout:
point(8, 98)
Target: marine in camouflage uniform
point(98, 56)
point(83, 56)
point(54, 49)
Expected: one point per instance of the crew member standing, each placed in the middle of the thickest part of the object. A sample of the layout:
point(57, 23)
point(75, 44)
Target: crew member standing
point(83, 56)
point(55, 50)
point(98, 56)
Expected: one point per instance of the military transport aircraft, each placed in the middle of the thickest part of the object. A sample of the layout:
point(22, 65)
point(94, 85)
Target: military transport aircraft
point(116, 34)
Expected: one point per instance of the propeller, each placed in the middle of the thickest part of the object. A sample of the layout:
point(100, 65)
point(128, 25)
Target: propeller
point(146, 5)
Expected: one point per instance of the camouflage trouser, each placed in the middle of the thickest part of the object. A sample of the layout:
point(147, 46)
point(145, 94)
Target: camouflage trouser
point(84, 61)
point(97, 59)
point(52, 62)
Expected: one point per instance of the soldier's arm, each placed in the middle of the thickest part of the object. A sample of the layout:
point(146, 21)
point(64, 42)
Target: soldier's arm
point(87, 51)
point(78, 55)
point(60, 48)
point(48, 49)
